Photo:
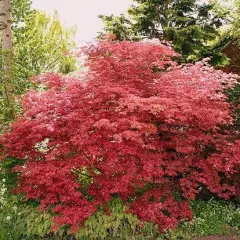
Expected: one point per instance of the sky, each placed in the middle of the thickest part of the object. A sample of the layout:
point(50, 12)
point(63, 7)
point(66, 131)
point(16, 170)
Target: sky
point(83, 13)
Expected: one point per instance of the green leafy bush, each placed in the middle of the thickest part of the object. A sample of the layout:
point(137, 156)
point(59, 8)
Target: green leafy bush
point(212, 217)
point(21, 222)
point(11, 222)
point(116, 224)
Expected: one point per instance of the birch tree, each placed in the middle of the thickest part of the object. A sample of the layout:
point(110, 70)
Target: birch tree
point(7, 58)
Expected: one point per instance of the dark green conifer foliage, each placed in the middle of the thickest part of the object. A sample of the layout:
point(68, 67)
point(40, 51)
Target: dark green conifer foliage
point(189, 24)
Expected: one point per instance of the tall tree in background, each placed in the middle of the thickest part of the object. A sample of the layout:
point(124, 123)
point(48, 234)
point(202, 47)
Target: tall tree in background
point(235, 15)
point(42, 46)
point(7, 58)
point(20, 10)
point(228, 41)
point(39, 44)
point(189, 24)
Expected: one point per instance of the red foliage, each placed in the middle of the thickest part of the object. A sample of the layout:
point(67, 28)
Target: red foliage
point(137, 126)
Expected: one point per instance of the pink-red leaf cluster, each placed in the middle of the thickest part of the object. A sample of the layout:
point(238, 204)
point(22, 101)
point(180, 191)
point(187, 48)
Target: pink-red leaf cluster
point(137, 126)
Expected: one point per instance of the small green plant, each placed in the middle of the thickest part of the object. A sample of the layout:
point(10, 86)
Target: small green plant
point(115, 225)
point(19, 221)
point(211, 217)
point(11, 223)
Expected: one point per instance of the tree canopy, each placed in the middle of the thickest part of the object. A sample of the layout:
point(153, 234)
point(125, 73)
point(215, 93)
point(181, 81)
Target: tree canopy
point(137, 126)
point(191, 25)
point(40, 44)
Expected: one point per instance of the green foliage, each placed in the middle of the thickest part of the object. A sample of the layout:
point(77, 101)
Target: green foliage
point(229, 34)
point(22, 221)
point(11, 222)
point(20, 10)
point(117, 225)
point(189, 24)
point(233, 31)
point(120, 26)
point(6, 173)
point(42, 46)
point(38, 224)
point(212, 217)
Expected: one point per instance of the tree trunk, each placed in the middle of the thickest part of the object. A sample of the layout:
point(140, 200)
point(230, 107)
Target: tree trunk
point(7, 58)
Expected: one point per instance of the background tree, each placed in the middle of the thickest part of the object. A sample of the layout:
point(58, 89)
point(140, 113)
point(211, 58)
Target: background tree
point(120, 26)
point(229, 40)
point(20, 10)
point(189, 24)
point(7, 59)
point(40, 44)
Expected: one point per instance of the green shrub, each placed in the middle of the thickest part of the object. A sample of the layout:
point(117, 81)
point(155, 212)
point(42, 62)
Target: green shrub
point(11, 223)
point(117, 225)
point(211, 217)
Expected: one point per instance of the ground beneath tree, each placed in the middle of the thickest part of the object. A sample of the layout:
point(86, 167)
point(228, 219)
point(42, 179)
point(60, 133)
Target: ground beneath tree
point(217, 237)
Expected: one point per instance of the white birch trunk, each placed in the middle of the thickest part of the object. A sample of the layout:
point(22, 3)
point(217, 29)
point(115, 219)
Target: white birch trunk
point(7, 57)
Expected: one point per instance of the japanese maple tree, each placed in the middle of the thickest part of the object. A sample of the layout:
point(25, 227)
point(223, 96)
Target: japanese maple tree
point(136, 126)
